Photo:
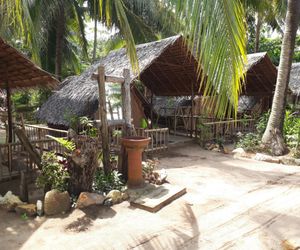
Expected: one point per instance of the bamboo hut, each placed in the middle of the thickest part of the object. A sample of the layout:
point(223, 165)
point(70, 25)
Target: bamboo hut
point(294, 84)
point(167, 68)
point(19, 73)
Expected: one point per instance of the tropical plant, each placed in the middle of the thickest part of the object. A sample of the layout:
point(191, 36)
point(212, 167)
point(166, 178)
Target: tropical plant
point(53, 175)
point(273, 136)
point(107, 182)
point(52, 39)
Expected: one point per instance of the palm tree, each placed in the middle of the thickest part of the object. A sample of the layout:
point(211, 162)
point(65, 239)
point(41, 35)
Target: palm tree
point(268, 12)
point(214, 30)
point(273, 136)
point(46, 35)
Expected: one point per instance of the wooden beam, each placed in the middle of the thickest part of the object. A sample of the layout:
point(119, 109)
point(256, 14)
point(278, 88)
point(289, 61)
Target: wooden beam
point(103, 118)
point(126, 98)
point(114, 79)
point(126, 114)
point(9, 113)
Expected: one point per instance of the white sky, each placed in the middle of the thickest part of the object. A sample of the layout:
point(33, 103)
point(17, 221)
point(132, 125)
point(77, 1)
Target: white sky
point(102, 34)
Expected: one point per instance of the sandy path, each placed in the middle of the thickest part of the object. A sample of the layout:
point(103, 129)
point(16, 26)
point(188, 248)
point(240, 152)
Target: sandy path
point(230, 204)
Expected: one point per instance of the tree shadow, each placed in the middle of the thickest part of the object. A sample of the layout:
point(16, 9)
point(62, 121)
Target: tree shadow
point(174, 236)
point(91, 214)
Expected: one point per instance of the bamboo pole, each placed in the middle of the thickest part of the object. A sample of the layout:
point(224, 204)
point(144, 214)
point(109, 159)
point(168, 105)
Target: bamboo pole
point(103, 118)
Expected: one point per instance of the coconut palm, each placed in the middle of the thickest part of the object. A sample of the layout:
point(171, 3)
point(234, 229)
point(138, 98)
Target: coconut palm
point(54, 33)
point(214, 29)
point(273, 136)
point(265, 12)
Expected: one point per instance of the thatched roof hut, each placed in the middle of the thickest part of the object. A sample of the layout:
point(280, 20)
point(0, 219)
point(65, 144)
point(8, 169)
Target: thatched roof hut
point(294, 84)
point(166, 67)
point(260, 76)
point(18, 72)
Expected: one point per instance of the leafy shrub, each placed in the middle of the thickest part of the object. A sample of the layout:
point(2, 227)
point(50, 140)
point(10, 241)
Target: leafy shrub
point(249, 142)
point(106, 183)
point(54, 174)
point(262, 123)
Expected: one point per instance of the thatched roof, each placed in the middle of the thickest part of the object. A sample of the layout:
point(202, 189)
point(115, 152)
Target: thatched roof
point(19, 72)
point(294, 84)
point(166, 67)
point(261, 75)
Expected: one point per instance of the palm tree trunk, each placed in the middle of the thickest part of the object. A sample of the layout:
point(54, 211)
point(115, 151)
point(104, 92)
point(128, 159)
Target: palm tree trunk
point(60, 30)
point(273, 136)
point(95, 39)
point(257, 31)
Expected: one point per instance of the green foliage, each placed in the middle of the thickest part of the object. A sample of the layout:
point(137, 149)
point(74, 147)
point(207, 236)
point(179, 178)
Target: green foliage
point(88, 127)
point(261, 125)
point(69, 145)
point(291, 132)
point(106, 183)
point(249, 142)
point(144, 123)
point(273, 47)
point(24, 216)
point(73, 120)
point(53, 174)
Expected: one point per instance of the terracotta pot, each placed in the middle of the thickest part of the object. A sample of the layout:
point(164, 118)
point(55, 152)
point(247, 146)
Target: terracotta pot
point(135, 146)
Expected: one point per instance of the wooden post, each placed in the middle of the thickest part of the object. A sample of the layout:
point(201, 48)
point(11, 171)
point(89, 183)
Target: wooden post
point(192, 110)
point(23, 187)
point(126, 115)
point(151, 107)
point(9, 112)
point(126, 100)
point(103, 118)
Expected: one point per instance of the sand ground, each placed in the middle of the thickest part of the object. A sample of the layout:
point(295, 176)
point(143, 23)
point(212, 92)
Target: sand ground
point(230, 204)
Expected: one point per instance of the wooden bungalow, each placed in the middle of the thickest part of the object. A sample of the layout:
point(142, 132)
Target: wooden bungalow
point(167, 68)
point(17, 73)
point(294, 84)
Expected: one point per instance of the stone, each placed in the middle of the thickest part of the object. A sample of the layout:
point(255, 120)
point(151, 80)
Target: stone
point(297, 162)
point(115, 196)
point(87, 199)
point(239, 151)
point(10, 201)
point(56, 202)
point(28, 209)
point(287, 160)
point(125, 196)
point(266, 158)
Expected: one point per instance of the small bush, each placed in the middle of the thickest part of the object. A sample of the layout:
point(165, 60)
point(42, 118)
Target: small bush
point(105, 183)
point(54, 174)
point(249, 142)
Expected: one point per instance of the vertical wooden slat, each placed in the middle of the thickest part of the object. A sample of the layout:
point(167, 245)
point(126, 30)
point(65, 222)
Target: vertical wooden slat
point(103, 118)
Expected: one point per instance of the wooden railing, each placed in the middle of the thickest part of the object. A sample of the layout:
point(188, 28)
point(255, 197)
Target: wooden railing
point(159, 138)
point(14, 158)
point(223, 129)
point(37, 132)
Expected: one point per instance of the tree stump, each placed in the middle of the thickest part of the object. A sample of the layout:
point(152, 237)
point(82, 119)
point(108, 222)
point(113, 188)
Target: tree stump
point(83, 162)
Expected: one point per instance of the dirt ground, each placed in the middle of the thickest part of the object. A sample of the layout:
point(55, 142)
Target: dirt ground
point(230, 204)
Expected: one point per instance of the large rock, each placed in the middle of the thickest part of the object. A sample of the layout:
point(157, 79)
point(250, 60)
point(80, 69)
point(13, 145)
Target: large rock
point(240, 151)
point(10, 201)
point(56, 202)
point(86, 199)
point(28, 209)
point(267, 158)
point(114, 196)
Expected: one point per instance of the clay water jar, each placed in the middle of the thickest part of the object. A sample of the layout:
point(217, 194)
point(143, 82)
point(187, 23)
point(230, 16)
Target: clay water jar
point(135, 145)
